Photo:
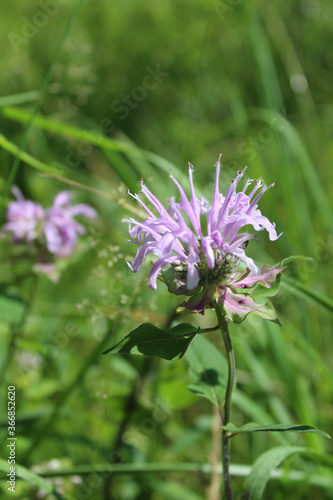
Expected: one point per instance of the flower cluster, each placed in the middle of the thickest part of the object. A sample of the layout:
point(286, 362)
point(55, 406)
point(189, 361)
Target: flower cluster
point(54, 227)
point(60, 228)
point(203, 246)
point(24, 218)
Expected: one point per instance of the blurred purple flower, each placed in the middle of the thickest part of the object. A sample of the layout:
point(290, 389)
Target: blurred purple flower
point(60, 227)
point(24, 218)
point(205, 248)
point(28, 221)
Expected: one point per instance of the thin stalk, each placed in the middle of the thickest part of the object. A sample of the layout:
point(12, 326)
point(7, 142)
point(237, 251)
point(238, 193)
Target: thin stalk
point(223, 324)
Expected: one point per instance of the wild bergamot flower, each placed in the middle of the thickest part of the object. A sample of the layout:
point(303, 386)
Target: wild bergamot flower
point(202, 245)
point(54, 229)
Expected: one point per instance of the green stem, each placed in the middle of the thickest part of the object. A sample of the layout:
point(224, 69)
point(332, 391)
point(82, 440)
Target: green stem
point(223, 324)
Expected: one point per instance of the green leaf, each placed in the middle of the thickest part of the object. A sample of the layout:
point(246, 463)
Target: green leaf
point(22, 98)
point(302, 157)
point(103, 142)
point(305, 291)
point(265, 464)
point(25, 157)
point(208, 370)
point(123, 169)
point(149, 340)
point(30, 477)
point(61, 128)
point(263, 467)
point(298, 288)
point(256, 412)
point(286, 261)
point(253, 427)
point(11, 309)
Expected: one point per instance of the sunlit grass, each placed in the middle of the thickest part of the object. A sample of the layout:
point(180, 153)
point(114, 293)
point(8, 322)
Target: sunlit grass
point(227, 91)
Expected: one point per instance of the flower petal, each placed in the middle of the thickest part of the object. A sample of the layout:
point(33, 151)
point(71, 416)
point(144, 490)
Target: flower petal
point(158, 266)
point(195, 205)
point(186, 206)
point(266, 278)
point(192, 271)
point(216, 205)
point(208, 251)
point(238, 306)
point(83, 209)
point(63, 198)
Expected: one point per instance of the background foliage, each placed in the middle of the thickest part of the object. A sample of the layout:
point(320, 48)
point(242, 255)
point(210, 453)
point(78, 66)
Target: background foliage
point(127, 89)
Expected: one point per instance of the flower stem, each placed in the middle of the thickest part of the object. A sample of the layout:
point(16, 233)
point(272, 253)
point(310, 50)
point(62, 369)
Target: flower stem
point(223, 324)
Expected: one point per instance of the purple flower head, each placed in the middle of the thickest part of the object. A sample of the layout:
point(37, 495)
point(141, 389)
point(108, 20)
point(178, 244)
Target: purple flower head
point(202, 244)
point(24, 218)
point(55, 227)
point(60, 228)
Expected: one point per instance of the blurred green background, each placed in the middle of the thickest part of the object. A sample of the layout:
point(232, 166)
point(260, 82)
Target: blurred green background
point(103, 94)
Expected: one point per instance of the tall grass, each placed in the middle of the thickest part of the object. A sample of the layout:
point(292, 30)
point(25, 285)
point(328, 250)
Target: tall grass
point(227, 91)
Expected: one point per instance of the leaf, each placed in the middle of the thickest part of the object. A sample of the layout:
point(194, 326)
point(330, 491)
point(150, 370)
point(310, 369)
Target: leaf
point(208, 370)
point(11, 309)
point(122, 168)
point(263, 467)
point(265, 464)
point(298, 288)
point(302, 290)
point(251, 407)
point(286, 261)
point(103, 142)
point(302, 157)
point(149, 340)
point(253, 427)
point(25, 157)
point(14, 99)
point(61, 128)
point(30, 477)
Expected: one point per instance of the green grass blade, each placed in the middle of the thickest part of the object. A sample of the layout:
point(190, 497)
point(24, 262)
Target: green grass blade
point(30, 477)
point(267, 72)
point(296, 146)
point(236, 470)
point(57, 127)
point(58, 174)
point(122, 168)
point(98, 140)
point(264, 466)
point(43, 92)
point(305, 291)
point(22, 98)
point(25, 157)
